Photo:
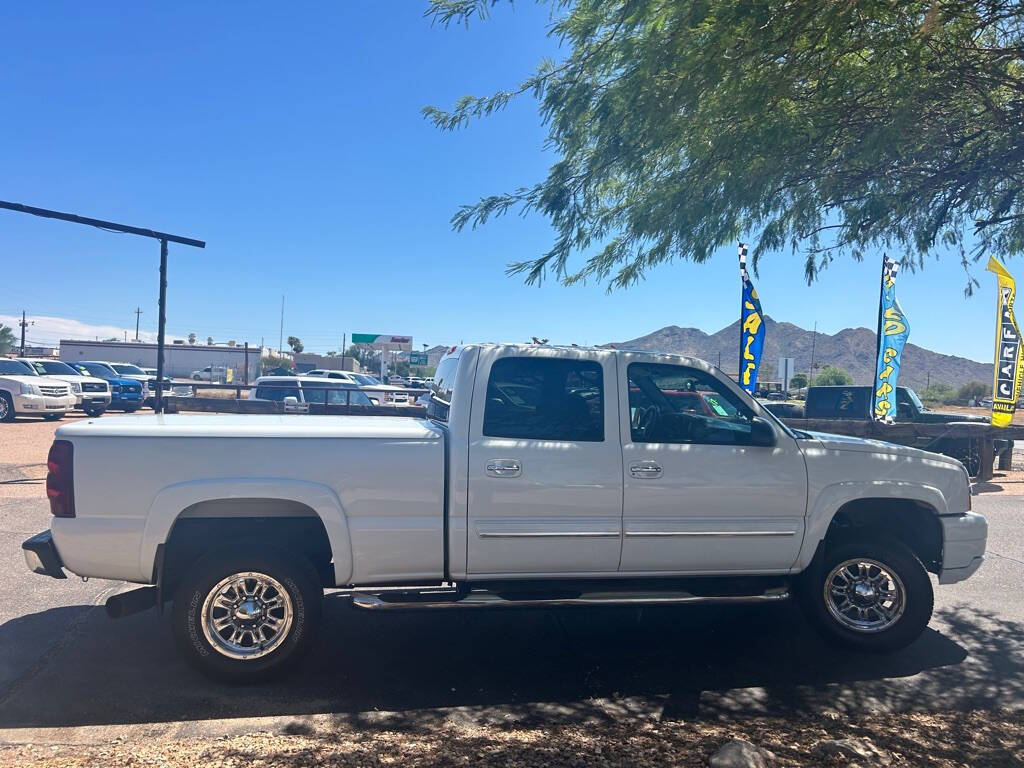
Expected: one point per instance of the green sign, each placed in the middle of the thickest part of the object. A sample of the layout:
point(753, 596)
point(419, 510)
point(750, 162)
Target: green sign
point(417, 358)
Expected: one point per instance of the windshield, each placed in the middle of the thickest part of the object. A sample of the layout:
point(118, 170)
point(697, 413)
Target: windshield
point(912, 396)
point(368, 381)
point(53, 368)
point(132, 370)
point(95, 369)
point(15, 368)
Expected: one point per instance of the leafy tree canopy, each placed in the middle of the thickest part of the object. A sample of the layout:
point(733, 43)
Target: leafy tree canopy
point(798, 380)
point(296, 344)
point(832, 376)
point(827, 127)
point(6, 339)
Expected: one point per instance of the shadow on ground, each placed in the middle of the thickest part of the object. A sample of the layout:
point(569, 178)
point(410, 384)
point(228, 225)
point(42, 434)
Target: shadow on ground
point(566, 666)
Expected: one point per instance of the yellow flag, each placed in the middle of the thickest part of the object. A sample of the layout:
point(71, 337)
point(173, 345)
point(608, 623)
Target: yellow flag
point(1009, 363)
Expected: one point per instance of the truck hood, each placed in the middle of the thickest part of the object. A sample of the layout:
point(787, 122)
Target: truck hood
point(864, 445)
point(254, 425)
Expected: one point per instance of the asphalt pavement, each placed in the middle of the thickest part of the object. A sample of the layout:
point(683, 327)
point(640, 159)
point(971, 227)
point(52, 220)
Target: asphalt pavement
point(70, 674)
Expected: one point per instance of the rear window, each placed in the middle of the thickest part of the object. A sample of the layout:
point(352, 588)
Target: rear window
point(838, 402)
point(15, 368)
point(277, 393)
point(443, 389)
point(536, 398)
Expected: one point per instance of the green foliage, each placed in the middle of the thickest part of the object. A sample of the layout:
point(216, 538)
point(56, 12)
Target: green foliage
point(827, 127)
point(6, 339)
point(798, 381)
point(296, 344)
point(830, 376)
point(273, 362)
point(939, 393)
point(974, 390)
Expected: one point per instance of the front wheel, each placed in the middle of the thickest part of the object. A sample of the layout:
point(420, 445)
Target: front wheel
point(53, 416)
point(868, 594)
point(246, 617)
point(94, 412)
point(6, 407)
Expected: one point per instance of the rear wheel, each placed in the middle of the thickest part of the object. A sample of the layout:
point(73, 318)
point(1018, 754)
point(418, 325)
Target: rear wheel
point(868, 594)
point(247, 617)
point(6, 407)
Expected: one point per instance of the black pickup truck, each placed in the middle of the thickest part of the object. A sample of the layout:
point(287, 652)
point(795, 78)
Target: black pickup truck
point(854, 402)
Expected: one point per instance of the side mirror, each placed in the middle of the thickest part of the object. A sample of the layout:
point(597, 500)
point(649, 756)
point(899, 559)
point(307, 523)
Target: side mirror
point(291, 400)
point(761, 433)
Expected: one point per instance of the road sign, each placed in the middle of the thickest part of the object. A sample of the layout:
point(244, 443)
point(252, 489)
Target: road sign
point(383, 341)
point(417, 358)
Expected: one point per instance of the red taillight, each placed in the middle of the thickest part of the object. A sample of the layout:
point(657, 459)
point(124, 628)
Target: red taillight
point(60, 479)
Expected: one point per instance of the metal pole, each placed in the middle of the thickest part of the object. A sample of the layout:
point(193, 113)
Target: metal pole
point(814, 336)
point(344, 340)
point(246, 364)
point(138, 311)
point(158, 404)
point(23, 324)
point(280, 338)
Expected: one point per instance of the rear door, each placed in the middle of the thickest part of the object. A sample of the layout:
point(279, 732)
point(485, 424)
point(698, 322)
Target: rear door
point(545, 464)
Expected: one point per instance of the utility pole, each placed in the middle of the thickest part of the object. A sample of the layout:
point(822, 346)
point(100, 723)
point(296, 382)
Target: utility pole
point(23, 325)
point(814, 337)
point(280, 338)
point(344, 341)
point(138, 311)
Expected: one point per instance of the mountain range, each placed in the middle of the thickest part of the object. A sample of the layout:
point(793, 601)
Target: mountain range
point(852, 349)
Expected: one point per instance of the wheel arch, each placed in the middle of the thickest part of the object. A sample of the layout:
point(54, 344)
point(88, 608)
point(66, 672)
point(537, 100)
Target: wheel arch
point(223, 506)
point(909, 511)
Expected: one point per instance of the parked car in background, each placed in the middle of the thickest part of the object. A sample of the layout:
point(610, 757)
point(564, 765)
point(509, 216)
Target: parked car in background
point(92, 394)
point(380, 392)
point(855, 402)
point(170, 389)
point(307, 390)
point(544, 476)
point(23, 392)
point(203, 374)
point(125, 394)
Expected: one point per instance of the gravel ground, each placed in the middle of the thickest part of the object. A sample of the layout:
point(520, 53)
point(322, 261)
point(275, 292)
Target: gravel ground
point(944, 740)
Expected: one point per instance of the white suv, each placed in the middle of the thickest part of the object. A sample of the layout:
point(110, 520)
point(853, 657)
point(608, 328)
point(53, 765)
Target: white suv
point(23, 393)
point(92, 394)
point(377, 390)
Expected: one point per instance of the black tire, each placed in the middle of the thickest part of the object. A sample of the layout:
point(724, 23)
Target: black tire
point(95, 412)
point(53, 416)
point(131, 410)
point(6, 407)
point(197, 378)
point(302, 589)
point(900, 562)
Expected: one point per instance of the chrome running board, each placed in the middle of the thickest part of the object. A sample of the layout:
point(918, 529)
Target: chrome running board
point(486, 599)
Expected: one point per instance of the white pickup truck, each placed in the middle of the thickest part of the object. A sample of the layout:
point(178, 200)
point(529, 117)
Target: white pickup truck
point(542, 476)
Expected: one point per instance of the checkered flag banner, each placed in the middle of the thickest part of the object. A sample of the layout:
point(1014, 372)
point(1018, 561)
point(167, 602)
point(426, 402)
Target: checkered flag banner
point(889, 269)
point(743, 262)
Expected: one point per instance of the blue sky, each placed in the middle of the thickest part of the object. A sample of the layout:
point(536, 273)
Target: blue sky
point(291, 141)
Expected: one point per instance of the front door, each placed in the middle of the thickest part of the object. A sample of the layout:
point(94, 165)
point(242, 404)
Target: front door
point(699, 497)
point(545, 471)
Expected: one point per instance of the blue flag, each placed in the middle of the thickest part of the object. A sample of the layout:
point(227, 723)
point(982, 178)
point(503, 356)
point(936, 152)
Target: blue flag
point(893, 329)
point(751, 328)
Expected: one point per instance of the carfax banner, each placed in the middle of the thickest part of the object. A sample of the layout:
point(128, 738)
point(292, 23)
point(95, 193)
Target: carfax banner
point(1009, 361)
point(893, 329)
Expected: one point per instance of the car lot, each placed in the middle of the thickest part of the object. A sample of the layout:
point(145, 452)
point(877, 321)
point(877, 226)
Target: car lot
point(65, 665)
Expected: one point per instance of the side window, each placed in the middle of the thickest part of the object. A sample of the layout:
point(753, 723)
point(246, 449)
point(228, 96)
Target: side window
point(675, 404)
point(268, 392)
point(536, 398)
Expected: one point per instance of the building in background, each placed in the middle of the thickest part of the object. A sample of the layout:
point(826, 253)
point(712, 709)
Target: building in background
point(180, 358)
point(307, 361)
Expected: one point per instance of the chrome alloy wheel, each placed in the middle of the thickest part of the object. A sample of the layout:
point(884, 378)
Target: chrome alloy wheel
point(247, 615)
point(865, 595)
point(3, 408)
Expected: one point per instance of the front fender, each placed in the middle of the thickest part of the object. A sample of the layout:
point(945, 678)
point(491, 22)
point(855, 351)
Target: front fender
point(832, 498)
point(169, 503)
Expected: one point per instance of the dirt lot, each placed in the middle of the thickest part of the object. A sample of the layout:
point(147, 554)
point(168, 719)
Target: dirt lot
point(971, 740)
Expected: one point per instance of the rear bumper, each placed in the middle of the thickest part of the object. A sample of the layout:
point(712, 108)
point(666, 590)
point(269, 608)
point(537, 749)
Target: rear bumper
point(963, 549)
point(41, 556)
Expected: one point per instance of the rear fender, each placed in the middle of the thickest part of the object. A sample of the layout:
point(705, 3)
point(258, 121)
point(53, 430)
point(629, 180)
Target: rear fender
point(172, 500)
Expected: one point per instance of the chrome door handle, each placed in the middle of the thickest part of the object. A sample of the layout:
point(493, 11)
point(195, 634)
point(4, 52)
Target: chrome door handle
point(504, 468)
point(645, 470)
